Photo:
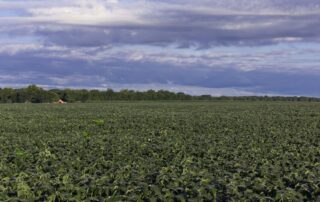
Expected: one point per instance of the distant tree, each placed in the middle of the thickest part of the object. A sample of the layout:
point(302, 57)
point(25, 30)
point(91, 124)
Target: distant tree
point(49, 97)
point(94, 95)
point(7, 95)
point(109, 94)
point(151, 95)
point(83, 96)
point(34, 94)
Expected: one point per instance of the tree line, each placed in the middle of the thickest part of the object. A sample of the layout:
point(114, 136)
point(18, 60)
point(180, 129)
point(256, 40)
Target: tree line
point(35, 94)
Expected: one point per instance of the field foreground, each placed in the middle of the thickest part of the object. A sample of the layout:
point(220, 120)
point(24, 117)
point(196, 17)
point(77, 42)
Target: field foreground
point(160, 151)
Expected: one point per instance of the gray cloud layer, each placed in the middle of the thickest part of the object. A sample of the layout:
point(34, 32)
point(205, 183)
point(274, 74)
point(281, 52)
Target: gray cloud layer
point(186, 23)
point(108, 73)
point(237, 46)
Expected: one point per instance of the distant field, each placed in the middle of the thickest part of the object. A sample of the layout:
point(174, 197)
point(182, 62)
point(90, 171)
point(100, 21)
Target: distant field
point(160, 151)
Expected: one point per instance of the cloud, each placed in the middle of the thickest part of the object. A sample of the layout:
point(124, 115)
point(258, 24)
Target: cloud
point(302, 56)
point(56, 66)
point(232, 46)
point(203, 24)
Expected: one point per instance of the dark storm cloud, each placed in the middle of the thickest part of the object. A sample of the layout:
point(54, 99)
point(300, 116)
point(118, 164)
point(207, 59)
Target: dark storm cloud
point(24, 69)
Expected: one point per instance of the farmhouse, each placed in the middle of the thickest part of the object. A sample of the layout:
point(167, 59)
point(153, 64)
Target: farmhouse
point(61, 102)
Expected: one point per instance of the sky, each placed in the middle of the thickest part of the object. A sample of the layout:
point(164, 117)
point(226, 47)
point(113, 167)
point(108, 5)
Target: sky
point(216, 47)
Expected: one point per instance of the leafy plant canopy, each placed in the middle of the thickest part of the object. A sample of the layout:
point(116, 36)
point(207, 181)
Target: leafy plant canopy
point(160, 151)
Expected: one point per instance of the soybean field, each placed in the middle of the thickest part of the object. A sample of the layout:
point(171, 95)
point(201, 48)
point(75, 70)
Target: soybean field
point(160, 151)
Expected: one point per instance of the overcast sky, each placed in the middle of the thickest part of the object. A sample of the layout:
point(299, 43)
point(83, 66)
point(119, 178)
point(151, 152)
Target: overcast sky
point(217, 47)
